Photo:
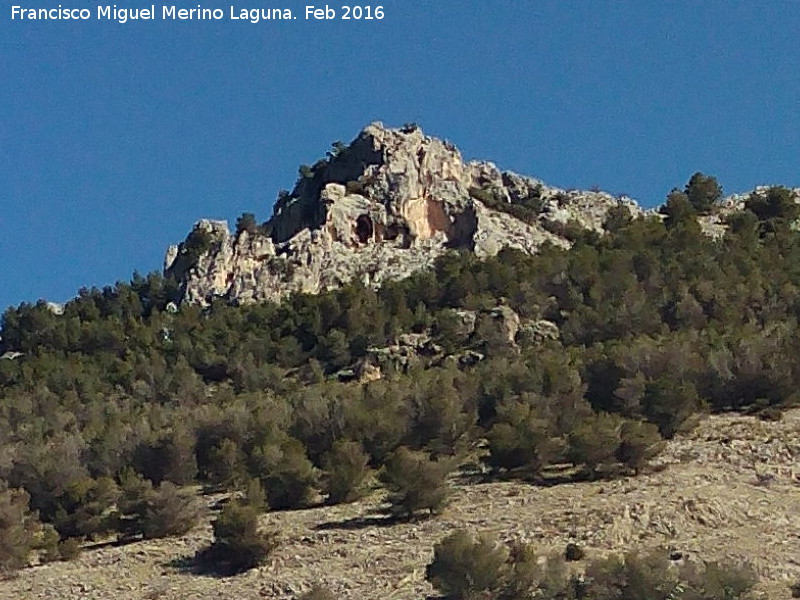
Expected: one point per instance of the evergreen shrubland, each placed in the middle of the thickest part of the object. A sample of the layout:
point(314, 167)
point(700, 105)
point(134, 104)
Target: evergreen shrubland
point(122, 396)
point(468, 566)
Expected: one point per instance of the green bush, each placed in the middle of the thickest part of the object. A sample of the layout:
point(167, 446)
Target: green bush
point(639, 442)
point(703, 192)
point(150, 512)
point(85, 508)
point(287, 475)
point(255, 496)
point(247, 222)
point(197, 243)
point(775, 203)
point(594, 442)
point(520, 437)
point(17, 529)
point(69, 549)
point(135, 496)
point(651, 576)
point(345, 472)
point(670, 403)
point(678, 211)
point(525, 209)
point(239, 544)
point(170, 512)
point(225, 464)
point(531, 575)
point(415, 482)
point(618, 217)
point(720, 581)
point(378, 418)
point(47, 543)
point(465, 565)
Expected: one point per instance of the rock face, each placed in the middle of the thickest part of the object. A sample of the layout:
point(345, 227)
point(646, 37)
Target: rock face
point(381, 208)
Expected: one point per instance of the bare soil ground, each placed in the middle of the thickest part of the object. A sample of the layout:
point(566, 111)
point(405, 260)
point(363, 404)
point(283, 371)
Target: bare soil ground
point(729, 490)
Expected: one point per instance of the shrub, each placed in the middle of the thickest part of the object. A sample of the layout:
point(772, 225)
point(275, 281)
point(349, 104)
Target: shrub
point(337, 149)
point(770, 414)
point(528, 576)
point(239, 544)
point(378, 419)
point(594, 441)
point(47, 543)
point(703, 191)
point(170, 511)
point(618, 217)
point(171, 457)
point(17, 528)
point(197, 243)
point(525, 209)
point(520, 438)
point(288, 477)
point(669, 403)
point(155, 512)
point(468, 566)
point(135, 494)
point(225, 464)
point(651, 576)
point(442, 411)
point(631, 576)
point(85, 507)
point(345, 471)
point(464, 564)
point(717, 581)
point(247, 222)
point(69, 549)
point(255, 496)
point(640, 442)
point(775, 203)
point(415, 482)
point(678, 210)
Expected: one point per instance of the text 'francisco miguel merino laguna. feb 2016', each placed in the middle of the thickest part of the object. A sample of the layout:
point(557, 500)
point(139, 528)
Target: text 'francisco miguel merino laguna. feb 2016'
point(112, 12)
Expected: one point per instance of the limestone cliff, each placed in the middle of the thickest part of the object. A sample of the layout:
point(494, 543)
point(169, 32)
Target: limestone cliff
point(381, 208)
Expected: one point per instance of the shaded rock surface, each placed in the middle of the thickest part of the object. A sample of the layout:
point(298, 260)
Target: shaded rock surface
point(381, 208)
point(476, 330)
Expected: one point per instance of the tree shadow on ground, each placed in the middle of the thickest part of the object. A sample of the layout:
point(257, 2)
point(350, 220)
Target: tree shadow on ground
point(203, 563)
point(111, 543)
point(374, 518)
point(361, 522)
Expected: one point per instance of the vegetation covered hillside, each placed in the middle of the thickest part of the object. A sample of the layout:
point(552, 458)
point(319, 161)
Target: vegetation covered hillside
point(572, 364)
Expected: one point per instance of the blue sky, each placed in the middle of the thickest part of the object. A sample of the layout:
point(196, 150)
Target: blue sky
point(115, 139)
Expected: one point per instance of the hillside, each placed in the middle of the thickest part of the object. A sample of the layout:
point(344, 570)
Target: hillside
point(707, 504)
point(415, 337)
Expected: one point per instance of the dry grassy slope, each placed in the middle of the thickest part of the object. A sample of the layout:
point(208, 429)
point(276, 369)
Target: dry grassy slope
point(708, 503)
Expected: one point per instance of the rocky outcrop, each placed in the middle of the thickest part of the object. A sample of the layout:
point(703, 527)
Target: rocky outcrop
point(381, 208)
point(481, 332)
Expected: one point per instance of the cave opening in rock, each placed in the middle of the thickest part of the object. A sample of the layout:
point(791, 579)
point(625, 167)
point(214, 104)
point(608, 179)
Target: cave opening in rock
point(364, 229)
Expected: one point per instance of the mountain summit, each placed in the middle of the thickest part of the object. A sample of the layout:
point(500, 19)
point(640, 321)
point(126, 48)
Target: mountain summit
point(381, 208)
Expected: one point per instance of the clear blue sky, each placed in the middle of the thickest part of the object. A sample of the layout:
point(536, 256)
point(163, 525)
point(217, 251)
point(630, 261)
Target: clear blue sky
point(115, 139)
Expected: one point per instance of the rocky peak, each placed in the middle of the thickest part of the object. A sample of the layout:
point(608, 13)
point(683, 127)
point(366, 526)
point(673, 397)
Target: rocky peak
point(382, 207)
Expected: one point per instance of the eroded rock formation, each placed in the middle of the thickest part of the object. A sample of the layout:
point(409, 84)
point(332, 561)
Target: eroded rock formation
point(381, 208)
